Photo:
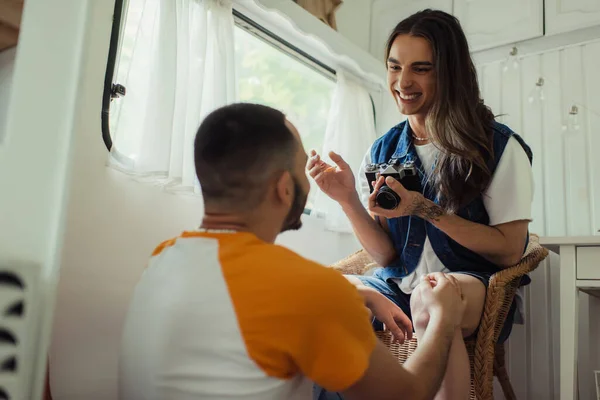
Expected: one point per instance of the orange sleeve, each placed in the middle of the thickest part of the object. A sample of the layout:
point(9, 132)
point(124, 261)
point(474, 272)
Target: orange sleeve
point(338, 338)
point(297, 316)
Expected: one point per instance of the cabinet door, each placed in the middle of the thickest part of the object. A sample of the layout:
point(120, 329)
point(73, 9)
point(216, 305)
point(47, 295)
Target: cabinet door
point(569, 15)
point(491, 23)
point(386, 14)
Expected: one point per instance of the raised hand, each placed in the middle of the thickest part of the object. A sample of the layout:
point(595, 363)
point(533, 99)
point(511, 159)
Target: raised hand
point(335, 181)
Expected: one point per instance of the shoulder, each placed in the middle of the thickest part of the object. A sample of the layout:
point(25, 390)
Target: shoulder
point(391, 136)
point(503, 136)
point(310, 283)
point(394, 132)
point(305, 271)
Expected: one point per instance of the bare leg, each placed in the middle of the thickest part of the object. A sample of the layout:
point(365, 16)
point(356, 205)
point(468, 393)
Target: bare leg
point(457, 381)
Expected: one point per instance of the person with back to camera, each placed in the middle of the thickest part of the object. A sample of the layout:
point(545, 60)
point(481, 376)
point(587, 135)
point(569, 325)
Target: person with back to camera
point(222, 313)
point(449, 190)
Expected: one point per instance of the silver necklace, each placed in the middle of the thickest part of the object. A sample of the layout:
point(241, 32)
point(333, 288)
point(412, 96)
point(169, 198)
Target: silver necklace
point(420, 139)
point(205, 230)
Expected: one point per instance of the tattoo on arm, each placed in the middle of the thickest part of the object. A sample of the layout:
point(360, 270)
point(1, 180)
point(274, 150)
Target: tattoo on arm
point(428, 210)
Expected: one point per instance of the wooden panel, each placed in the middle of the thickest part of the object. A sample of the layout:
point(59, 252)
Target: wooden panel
point(540, 331)
point(10, 12)
point(575, 143)
point(492, 88)
point(518, 361)
point(591, 56)
point(490, 23)
point(552, 264)
point(10, 21)
point(8, 37)
point(569, 15)
point(554, 177)
point(511, 98)
point(588, 263)
point(532, 131)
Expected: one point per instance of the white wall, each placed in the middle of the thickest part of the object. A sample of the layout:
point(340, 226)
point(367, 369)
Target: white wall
point(113, 225)
point(7, 60)
point(566, 201)
point(354, 21)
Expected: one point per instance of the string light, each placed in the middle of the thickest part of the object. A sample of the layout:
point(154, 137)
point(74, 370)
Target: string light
point(512, 57)
point(537, 93)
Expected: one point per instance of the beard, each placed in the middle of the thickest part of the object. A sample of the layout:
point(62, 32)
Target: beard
point(293, 221)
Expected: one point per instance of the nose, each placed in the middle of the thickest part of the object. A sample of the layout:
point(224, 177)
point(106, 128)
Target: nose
point(405, 79)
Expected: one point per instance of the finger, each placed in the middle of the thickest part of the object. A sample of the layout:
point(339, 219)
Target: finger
point(403, 321)
point(320, 177)
point(339, 161)
point(396, 186)
point(312, 161)
point(373, 195)
point(315, 170)
point(393, 327)
point(427, 284)
point(313, 153)
point(436, 276)
point(378, 183)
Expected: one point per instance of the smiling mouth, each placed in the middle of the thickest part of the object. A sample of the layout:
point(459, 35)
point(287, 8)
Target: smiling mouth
point(408, 96)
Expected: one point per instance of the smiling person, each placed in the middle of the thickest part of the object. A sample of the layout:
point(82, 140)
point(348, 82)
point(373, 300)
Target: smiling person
point(470, 216)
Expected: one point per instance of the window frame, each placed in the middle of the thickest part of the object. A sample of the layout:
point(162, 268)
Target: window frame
point(114, 89)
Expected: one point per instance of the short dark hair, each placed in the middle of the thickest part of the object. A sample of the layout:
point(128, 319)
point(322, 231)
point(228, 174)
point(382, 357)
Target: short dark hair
point(237, 150)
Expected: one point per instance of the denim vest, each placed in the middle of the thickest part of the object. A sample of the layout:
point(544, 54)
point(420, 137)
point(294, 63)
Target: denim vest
point(409, 233)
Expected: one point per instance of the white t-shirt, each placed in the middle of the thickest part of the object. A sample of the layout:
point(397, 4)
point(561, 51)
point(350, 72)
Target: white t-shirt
point(502, 202)
point(210, 319)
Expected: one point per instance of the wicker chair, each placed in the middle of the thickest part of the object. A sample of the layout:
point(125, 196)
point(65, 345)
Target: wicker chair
point(485, 355)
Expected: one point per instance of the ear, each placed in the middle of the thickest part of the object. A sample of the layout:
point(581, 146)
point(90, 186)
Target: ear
point(284, 188)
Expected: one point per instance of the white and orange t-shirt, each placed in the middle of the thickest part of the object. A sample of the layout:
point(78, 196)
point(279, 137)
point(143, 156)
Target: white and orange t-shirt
point(228, 316)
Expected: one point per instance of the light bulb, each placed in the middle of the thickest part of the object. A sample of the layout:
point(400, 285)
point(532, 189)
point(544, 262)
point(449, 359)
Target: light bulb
point(573, 120)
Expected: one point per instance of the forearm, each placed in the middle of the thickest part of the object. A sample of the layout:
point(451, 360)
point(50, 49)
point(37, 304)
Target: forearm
point(370, 234)
point(365, 291)
point(428, 363)
point(487, 241)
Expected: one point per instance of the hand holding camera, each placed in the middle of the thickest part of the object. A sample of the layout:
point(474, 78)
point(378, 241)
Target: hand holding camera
point(395, 189)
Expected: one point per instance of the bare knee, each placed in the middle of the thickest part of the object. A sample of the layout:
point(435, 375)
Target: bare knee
point(474, 292)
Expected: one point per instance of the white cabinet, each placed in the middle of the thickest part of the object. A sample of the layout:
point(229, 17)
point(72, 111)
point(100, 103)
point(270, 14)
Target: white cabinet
point(386, 14)
point(569, 15)
point(491, 23)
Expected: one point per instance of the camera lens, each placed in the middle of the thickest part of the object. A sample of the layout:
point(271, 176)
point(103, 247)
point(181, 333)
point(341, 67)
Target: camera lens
point(387, 198)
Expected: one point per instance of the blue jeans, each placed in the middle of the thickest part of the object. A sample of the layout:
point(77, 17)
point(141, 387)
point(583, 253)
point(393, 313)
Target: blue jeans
point(402, 300)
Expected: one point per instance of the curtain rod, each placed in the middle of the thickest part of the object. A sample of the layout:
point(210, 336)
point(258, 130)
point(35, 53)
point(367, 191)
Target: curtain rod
point(276, 40)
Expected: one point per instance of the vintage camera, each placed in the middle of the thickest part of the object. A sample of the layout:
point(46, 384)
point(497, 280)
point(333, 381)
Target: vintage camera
point(405, 173)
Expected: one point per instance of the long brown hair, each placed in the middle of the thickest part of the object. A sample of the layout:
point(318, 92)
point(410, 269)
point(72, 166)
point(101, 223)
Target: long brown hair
point(458, 123)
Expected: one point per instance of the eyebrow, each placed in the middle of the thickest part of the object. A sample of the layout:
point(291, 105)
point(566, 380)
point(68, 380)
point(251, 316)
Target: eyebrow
point(392, 60)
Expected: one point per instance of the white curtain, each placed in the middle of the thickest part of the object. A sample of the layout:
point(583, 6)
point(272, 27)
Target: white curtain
point(177, 64)
point(350, 132)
